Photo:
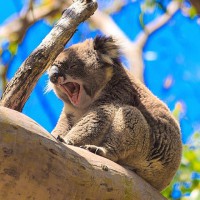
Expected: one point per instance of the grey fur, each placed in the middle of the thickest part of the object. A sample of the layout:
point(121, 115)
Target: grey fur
point(116, 116)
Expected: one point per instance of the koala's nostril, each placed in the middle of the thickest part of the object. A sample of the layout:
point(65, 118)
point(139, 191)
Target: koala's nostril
point(54, 77)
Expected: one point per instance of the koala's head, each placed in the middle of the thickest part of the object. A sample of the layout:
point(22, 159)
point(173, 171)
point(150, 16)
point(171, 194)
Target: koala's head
point(80, 72)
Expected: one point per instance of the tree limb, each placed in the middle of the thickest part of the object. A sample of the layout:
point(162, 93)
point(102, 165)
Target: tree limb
point(106, 24)
point(36, 166)
point(133, 50)
point(132, 53)
point(15, 29)
point(157, 23)
point(19, 88)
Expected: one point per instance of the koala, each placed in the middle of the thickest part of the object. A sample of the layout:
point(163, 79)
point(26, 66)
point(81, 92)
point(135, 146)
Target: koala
point(112, 114)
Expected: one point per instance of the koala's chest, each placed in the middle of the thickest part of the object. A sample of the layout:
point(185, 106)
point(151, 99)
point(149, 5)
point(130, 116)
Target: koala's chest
point(74, 114)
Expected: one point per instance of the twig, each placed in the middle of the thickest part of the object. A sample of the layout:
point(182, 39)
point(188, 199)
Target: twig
point(156, 24)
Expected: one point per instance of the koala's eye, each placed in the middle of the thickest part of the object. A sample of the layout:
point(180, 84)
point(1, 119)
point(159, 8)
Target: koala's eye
point(71, 66)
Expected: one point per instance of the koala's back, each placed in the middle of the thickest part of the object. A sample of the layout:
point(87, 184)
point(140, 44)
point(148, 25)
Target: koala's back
point(162, 153)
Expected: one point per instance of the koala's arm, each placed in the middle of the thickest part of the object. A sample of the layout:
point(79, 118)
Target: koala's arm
point(91, 129)
point(63, 125)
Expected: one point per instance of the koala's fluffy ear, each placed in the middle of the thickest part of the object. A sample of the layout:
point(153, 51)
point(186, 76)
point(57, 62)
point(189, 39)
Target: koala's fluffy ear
point(106, 48)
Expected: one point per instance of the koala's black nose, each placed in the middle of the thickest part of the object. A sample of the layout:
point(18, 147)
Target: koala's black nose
point(54, 74)
point(54, 78)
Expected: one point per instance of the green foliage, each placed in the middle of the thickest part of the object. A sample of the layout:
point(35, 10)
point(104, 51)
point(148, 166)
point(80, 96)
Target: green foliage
point(192, 12)
point(13, 48)
point(149, 6)
point(186, 183)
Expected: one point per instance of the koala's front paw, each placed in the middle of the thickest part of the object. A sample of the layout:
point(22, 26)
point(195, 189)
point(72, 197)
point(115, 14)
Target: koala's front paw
point(101, 151)
point(69, 142)
point(59, 138)
point(66, 141)
point(94, 149)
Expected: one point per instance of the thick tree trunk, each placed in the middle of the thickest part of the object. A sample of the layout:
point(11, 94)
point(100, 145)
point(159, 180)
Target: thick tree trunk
point(33, 165)
point(19, 88)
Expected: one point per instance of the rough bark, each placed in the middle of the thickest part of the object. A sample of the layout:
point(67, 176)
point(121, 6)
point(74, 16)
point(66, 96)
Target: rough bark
point(33, 165)
point(19, 88)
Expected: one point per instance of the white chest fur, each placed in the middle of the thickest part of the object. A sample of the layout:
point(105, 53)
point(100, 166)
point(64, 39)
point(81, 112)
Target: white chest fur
point(75, 112)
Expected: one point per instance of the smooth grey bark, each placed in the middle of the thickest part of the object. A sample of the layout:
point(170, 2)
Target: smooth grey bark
point(33, 165)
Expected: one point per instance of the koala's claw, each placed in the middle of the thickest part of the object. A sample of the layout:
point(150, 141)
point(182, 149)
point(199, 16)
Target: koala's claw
point(94, 149)
point(69, 142)
point(59, 138)
point(66, 141)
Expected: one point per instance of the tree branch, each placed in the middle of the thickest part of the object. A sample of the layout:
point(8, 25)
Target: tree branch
point(133, 50)
point(19, 88)
point(132, 53)
point(36, 166)
point(106, 24)
point(16, 29)
point(156, 24)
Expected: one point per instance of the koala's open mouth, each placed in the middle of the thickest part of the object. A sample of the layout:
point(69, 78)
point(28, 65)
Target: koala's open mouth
point(72, 90)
